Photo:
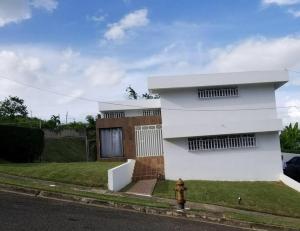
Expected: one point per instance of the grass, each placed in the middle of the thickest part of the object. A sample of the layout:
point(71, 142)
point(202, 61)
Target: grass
point(64, 150)
point(81, 173)
point(30, 183)
point(265, 219)
point(269, 197)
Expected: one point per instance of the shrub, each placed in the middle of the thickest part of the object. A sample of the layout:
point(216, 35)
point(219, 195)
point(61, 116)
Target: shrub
point(20, 144)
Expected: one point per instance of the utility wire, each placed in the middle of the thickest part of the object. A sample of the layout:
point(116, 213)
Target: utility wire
point(141, 107)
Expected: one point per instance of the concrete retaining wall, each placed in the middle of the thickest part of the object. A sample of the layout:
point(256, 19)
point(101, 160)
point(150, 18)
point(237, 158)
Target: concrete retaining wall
point(120, 176)
point(290, 182)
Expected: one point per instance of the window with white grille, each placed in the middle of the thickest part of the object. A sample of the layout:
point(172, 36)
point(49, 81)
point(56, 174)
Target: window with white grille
point(217, 92)
point(115, 114)
point(151, 112)
point(222, 142)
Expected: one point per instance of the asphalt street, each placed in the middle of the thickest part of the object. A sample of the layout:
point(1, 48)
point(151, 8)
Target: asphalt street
point(22, 212)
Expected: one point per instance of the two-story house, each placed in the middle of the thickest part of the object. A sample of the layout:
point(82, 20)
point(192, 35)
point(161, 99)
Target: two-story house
point(213, 126)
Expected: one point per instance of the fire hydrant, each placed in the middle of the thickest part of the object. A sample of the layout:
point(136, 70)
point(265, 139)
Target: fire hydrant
point(179, 193)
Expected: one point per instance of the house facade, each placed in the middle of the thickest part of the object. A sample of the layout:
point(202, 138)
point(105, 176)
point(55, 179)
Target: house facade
point(213, 126)
point(131, 129)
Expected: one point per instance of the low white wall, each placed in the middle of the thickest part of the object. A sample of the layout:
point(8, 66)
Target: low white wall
point(262, 163)
point(290, 182)
point(120, 176)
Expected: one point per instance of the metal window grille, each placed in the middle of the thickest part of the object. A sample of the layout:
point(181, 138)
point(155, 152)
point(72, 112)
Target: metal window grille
point(217, 92)
point(152, 112)
point(222, 142)
point(148, 140)
point(114, 114)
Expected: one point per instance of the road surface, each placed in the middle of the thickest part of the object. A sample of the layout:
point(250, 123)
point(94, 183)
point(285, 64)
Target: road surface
point(22, 212)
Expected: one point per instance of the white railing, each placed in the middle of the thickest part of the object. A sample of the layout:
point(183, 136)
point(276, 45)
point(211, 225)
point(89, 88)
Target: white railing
point(222, 142)
point(217, 92)
point(115, 114)
point(148, 140)
point(152, 112)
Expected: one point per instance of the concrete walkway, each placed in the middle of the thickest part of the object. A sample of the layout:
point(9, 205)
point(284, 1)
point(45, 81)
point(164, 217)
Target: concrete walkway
point(143, 187)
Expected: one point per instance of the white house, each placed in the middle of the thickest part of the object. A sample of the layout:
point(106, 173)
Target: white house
point(214, 126)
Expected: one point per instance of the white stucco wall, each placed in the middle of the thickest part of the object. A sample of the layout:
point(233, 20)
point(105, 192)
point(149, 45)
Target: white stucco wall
point(262, 163)
point(250, 97)
point(120, 176)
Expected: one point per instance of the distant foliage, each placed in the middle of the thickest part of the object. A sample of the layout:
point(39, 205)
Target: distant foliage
point(290, 138)
point(20, 144)
point(12, 107)
point(132, 94)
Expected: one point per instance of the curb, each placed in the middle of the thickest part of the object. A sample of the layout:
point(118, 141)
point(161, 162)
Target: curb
point(208, 217)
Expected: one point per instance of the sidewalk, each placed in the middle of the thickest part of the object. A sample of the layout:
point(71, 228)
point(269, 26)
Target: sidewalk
point(153, 205)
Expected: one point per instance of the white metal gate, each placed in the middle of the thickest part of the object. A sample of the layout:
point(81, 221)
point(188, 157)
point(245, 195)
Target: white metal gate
point(148, 140)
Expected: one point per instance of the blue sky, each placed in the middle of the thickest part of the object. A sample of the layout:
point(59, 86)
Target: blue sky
point(95, 49)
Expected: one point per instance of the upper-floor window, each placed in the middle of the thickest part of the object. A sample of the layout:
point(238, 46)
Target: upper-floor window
point(222, 142)
point(115, 114)
point(217, 92)
point(151, 112)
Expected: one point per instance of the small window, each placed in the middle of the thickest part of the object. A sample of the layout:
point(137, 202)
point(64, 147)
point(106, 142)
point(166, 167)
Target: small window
point(222, 142)
point(115, 114)
point(217, 92)
point(151, 112)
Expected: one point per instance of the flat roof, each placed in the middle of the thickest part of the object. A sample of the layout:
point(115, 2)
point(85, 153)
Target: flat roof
point(158, 83)
point(129, 105)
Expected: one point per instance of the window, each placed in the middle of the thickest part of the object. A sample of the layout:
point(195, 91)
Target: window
point(115, 114)
point(111, 142)
point(217, 92)
point(151, 112)
point(222, 142)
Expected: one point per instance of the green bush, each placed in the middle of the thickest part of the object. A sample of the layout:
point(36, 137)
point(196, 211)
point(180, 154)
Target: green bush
point(20, 144)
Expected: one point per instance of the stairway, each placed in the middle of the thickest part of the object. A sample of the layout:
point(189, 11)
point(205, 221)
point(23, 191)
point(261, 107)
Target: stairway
point(148, 168)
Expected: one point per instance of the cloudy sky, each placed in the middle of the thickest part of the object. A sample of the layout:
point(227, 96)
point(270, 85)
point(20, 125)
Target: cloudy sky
point(94, 49)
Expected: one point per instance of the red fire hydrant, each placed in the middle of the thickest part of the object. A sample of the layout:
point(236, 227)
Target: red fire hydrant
point(179, 193)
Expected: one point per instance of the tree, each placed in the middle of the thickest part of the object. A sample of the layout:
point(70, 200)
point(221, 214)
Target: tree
point(91, 122)
point(54, 122)
point(132, 94)
point(13, 107)
point(150, 96)
point(290, 137)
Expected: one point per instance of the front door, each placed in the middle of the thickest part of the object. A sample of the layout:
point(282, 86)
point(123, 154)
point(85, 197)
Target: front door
point(111, 142)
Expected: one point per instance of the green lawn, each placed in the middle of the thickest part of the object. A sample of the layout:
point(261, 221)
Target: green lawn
point(81, 173)
point(64, 150)
point(271, 197)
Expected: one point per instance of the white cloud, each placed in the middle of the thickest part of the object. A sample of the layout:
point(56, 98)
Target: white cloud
point(257, 54)
point(280, 2)
point(15, 11)
point(135, 19)
point(74, 94)
point(48, 5)
point(293, 110)
point(105, 72)
point(13, 65)
point(295, 13)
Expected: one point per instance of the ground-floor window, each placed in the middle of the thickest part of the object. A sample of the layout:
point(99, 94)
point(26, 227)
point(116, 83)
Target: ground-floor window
point(222, 142)
point(111, 142)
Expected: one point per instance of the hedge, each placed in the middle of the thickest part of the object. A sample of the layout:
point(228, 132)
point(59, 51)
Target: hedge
point(20, 144)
